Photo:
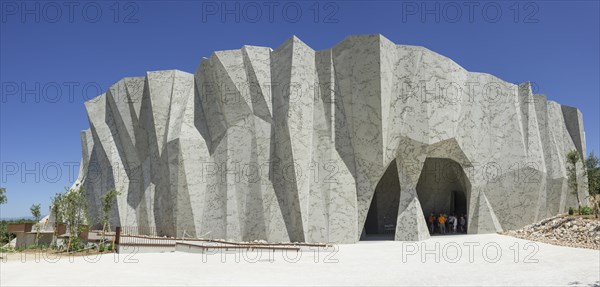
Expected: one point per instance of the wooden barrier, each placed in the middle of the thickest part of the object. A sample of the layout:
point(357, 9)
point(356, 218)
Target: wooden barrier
point(20, 227)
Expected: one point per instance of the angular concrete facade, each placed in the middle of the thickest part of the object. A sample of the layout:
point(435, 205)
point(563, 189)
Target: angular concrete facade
point(291, 145)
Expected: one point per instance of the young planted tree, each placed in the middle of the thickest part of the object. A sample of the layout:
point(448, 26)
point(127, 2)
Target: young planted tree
point(108, 199)
point(572, 159)
point(36, 212)
point(74, 207)
point(592, 164)
point(3, 199)
point(56, 212)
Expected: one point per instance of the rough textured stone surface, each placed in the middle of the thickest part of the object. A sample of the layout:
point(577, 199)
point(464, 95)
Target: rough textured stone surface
point(290, 144)
point(573, 231)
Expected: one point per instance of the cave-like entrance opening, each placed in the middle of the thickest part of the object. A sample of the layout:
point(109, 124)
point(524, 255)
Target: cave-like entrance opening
point(380, 223)
point(443, 190)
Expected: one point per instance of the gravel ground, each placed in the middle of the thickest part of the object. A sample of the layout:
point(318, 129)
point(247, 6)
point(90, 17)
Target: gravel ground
point(473, 260)
point(565, 230)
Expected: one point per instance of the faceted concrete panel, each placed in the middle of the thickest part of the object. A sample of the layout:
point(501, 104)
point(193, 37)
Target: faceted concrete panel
point(290, 144)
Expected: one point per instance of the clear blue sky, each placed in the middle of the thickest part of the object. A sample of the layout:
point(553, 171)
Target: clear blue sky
point(72, 55)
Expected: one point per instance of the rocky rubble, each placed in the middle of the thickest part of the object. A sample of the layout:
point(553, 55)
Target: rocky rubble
point(566, 230)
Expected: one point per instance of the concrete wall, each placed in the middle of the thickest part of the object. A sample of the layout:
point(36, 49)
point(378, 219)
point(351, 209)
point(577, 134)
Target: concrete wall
point(28, 239)
point(184, 149)
point(386, 199)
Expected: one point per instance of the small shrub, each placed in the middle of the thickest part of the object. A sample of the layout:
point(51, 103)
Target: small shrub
point(105, 247)
point(586, 210)
point(570, 210)
point(6, 250)
point(29, 247)
point(76, 244)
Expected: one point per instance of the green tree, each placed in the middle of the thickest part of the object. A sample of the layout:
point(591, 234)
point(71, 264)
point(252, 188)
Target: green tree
point(592, 165)
point(74, 208)
point(3, 198)
point(3, 225)
point(56, 204)
point(36, 212)
point(108, 200)
point(572, 159)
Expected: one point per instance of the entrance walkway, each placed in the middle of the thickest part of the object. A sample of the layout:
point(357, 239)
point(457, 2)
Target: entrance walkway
point(364, 263)
point(378, 237)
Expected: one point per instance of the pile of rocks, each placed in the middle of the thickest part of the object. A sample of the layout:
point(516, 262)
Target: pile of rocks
point(566, 230)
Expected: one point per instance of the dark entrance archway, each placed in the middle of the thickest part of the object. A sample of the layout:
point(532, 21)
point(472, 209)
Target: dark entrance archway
point(443, 188)
point(383, 211)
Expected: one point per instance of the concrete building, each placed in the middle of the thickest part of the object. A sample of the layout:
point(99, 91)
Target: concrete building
point(294, 144)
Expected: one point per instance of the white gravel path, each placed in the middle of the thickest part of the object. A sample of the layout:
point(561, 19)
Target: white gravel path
point(365, 263)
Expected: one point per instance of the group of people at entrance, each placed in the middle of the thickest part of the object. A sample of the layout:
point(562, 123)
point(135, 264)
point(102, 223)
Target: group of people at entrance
point(443, 223)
